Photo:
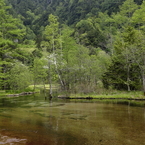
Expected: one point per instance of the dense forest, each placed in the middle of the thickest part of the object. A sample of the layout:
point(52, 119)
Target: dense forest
point(81, 45)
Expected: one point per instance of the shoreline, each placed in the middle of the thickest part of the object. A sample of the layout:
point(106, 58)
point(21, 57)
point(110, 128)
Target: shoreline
point(138, 96)
point(21, 94)
point(91, 98)
point(17, 95)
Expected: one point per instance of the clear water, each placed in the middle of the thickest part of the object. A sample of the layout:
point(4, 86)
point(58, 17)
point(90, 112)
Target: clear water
point(32, 120)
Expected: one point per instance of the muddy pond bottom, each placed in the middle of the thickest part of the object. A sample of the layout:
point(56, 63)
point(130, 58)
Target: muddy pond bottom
point(32, 120)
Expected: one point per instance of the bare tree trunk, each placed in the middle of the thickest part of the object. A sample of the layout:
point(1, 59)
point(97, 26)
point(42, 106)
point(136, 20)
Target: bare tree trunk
point(128, 79)
point(128, 69)
point(50, 85)
point(55, 61)
point(4, 79)
point(44, 87)
point(143, 79)
point(34, 86)
point(59, 76)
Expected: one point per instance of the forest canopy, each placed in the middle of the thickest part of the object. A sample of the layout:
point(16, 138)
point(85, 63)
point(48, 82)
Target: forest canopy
point(79, 44)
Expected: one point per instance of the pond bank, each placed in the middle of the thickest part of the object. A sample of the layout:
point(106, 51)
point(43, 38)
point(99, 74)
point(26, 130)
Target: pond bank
point(138, 96)
point(20, 94)
point(90, 98)
point(4, 95)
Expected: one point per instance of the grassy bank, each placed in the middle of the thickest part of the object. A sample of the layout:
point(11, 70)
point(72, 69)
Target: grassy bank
point(102, 94)
point(5, 93)
point(112, 95)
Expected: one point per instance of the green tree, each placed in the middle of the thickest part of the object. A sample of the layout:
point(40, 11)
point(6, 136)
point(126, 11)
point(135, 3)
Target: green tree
point(52, 34)
point(19, 77)
point(53, 38)
point(89, 33)
point(124, 70)
point(11, 31)
point(39, 71)
point(138, 52)
point(122, 18)
point(138, 17)
point(128, 8)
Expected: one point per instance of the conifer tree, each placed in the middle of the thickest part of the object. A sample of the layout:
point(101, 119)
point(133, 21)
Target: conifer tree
point(11, 31)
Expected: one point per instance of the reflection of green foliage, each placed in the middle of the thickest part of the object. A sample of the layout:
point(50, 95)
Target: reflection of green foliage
point(67, 113)
point(6, 116)
point(3, 110)
point(26, 106)
point(77, 118)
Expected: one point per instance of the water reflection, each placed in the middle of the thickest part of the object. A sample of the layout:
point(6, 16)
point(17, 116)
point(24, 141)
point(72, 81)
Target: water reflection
point(36, 121)
point(8, 140)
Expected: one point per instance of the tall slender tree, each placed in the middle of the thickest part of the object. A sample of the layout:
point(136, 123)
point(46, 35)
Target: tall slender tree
point(53, 37)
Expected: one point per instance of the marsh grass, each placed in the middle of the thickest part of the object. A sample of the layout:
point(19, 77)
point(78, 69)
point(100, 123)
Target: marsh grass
point(113, 94)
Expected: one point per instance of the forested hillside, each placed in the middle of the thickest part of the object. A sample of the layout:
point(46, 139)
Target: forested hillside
point(34, 13)
point(81, 45)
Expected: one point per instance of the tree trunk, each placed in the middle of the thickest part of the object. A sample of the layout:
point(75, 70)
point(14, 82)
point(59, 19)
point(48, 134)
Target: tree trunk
point(34, 86)
point(44, 87)
point(50, 85)
point(143, 79)
point(128, 71)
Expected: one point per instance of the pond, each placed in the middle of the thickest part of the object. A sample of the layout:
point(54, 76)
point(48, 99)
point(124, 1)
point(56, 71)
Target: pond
point(32, 120)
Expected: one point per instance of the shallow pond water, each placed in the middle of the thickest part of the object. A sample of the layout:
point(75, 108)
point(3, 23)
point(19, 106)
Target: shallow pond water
point(32, 120)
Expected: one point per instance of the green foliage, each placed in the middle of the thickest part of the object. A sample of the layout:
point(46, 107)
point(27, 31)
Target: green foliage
point(89, 33)
point(23, 56)
point(52, 33)
point(34, 13)
point(138, 17)
point(102, 39)
point(124, 71)
point(80, 71)
point(19, 77)
point(11, 31)
point(128, 8)
point(39, 71)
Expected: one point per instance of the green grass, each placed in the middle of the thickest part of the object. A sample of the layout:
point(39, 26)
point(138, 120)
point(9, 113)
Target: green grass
point(47, 86)
point(116, 95)
point(4, 93)
point(103, 94)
